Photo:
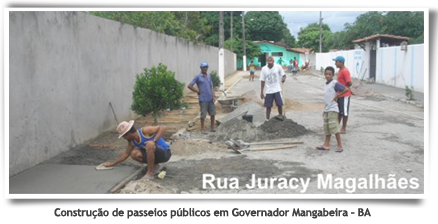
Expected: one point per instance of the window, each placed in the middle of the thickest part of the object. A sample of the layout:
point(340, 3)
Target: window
point(278, 54)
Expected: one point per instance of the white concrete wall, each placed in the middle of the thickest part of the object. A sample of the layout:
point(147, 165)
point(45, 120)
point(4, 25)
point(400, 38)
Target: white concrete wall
point(401, 68)
point(353, 61)
point(65, 68)
point(393, 67)
point(312, 58)
point(230, 62)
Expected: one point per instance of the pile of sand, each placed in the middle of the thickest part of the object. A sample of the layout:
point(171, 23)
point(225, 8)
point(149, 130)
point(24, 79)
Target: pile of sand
point(282, 129)
point(191, 147)
point(359, 89)
point(248, 132)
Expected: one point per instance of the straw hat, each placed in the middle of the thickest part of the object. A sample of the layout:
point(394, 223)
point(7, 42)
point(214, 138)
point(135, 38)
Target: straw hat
point(124, 127)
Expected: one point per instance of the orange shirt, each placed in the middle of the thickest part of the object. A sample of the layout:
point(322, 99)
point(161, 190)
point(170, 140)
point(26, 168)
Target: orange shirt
point(344, 78)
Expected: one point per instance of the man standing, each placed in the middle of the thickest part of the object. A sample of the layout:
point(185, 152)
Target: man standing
point(145, 145)
point(270, 77)
point(251, 70)
point(344, 99)
point(295, 63)
point(206, 95)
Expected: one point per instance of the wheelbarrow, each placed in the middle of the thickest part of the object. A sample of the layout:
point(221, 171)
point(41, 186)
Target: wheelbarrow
point(228, 102)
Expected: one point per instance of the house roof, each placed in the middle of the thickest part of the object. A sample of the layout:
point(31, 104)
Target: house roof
point(301, 50)
point(297, 50)
point(387, 38)
point(269, 42)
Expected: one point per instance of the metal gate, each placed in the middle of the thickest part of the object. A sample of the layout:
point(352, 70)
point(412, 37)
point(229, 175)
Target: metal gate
point(373, 54)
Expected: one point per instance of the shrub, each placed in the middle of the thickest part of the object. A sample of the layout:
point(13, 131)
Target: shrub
point(409, 92)
point(156, 89)
point(215, 79)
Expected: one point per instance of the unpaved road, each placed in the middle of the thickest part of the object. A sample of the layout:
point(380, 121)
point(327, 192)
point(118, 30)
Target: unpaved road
point(384, 144)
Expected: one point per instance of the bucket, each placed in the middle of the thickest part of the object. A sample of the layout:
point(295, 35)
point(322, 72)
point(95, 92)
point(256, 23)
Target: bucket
point(247, 117)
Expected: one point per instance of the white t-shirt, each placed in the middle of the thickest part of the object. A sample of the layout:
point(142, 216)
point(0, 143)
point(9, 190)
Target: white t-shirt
point(272, 77)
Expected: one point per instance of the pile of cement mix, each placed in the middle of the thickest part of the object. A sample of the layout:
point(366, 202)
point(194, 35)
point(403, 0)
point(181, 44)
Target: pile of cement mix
point(237, 129)
point(282, 129)
point(248, 132)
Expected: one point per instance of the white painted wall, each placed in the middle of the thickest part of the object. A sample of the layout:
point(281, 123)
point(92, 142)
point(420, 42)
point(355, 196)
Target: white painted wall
point(353, 61)
point(65, 68)
point(401, 68)
point(393, 67)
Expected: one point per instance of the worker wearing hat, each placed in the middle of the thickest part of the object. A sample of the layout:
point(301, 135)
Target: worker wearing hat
point(145, 145)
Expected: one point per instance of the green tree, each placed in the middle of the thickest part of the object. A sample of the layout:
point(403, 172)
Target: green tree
point(309, 36)
point(405, 23)
point(367, 24)
point(212, 18)
point(337, 40)
point(252, 49)
point(265, 25)
point(288, 39)
point(156, 89)
point(187, 25)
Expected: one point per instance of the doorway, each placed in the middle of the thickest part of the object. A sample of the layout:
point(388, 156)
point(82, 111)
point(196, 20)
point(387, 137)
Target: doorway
point(373, 55)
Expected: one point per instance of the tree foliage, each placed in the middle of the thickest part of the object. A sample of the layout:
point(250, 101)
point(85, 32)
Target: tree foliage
point(252, 49)
point(188, 25)
point(309, 36)
point(212, 18)
point(156, 89)
point(402, 23)
point(405, 23)
point(265, 25)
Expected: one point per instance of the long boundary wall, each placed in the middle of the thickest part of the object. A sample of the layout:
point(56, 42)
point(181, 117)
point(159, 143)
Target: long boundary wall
point(394, 67)
point(66, 67)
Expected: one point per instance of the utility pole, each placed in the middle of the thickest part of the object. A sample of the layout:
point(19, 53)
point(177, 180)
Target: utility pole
point(221, 64)
point(320, 31)
point(244, 41)
point(221, 29)
point(231, 31)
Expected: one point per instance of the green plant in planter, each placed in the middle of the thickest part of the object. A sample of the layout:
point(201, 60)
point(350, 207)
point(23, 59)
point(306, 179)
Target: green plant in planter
point(156, 89)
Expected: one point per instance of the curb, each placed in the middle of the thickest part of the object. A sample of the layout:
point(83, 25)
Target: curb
point(122, 183)
point(404, 101)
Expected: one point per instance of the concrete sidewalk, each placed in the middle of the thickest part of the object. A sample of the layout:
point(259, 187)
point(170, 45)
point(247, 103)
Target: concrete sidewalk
point(55, 176)
point(67, 179)
point(396, 93)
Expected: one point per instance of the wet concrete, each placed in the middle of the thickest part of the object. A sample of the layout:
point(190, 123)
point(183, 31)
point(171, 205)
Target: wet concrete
point(67, 179)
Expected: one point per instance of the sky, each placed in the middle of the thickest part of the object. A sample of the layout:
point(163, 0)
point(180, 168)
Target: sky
point(335, 19)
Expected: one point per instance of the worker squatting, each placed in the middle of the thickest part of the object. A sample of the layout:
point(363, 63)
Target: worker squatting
point(350, 185)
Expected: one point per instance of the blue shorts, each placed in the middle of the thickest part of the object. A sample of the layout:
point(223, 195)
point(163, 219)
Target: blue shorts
point(269, 99)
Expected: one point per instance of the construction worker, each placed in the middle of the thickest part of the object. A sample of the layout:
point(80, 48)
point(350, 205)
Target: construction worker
point(145, 145)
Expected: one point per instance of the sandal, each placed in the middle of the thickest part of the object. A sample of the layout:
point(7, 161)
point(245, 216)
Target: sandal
point(339, 150)
point(322, 148)
point(148, 178)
